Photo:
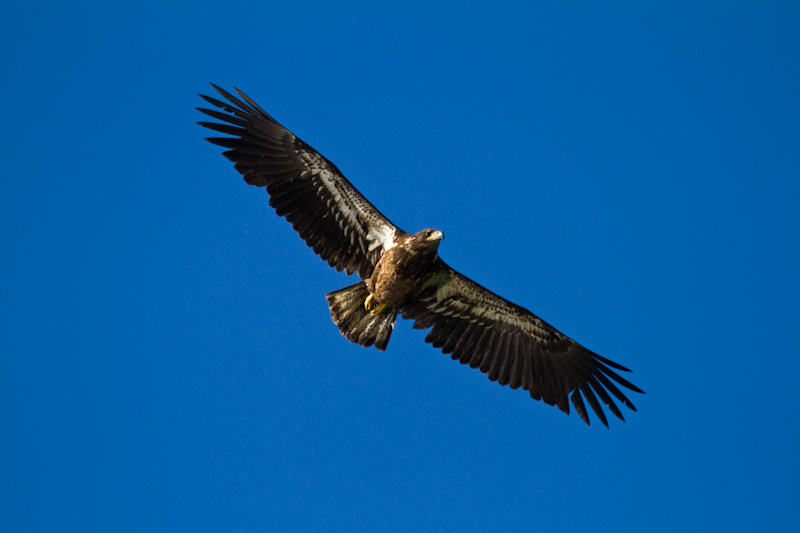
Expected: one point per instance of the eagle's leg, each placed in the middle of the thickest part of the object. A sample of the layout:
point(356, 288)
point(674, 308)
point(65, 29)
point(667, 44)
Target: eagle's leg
point(369, 303)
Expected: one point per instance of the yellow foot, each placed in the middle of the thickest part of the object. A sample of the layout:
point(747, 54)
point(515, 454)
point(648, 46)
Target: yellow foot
point(378, 310)
point(369, 303)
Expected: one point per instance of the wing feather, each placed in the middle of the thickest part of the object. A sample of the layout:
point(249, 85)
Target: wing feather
point(492, 364)
point(509, 359)
point(330, 215)
point(476, 356)
point(515, 347)
point(470, 339)
point(580, 407)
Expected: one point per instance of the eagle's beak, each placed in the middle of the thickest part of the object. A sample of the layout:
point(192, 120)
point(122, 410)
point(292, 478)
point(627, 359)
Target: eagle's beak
point(436, 236)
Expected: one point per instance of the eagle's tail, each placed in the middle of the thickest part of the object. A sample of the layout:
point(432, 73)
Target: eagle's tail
point(355, 322)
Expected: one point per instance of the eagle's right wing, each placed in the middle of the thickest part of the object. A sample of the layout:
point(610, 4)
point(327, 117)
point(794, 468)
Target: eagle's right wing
point(326, 210)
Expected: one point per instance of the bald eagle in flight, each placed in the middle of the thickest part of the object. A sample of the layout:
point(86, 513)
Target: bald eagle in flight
point(402, 273)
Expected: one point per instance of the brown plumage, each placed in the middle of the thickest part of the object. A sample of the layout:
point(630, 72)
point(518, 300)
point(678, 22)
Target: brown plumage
point(403, 274)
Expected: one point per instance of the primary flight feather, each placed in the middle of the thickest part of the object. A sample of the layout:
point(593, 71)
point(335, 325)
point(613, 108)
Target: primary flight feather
point(402, 273)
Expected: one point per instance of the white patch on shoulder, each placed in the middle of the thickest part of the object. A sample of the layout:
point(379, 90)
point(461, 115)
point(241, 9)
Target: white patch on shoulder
point(382, 236)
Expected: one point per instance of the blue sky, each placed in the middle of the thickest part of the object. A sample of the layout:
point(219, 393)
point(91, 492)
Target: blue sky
point(629, 173)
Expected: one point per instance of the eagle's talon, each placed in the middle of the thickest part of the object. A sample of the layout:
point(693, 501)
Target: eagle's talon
point(369, 303)
point(378, 310)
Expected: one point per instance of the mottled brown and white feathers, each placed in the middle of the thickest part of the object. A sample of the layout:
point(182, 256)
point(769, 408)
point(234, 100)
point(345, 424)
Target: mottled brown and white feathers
point(479, 328)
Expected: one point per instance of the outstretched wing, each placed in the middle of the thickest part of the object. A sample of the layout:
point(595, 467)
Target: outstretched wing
point(514, 347)
point(326, 210)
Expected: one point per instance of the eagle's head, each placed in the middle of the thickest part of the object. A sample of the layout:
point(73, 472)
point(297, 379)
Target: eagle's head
point(428, 238)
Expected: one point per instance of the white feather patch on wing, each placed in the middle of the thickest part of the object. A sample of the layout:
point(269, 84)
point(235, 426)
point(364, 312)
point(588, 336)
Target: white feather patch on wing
point(349, 216)
point(382, 236)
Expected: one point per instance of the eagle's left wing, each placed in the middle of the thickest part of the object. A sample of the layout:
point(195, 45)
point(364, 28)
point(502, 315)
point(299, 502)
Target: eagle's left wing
point(324, 208)
point(515, 347)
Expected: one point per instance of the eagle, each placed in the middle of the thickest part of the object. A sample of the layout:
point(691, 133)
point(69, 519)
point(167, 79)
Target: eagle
point(402, 273)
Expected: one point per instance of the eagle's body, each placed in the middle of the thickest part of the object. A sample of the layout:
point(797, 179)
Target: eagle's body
point(405, 268)
point(403, 274)
point(409, 266)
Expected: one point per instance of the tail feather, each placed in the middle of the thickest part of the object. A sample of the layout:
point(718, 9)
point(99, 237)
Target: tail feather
point(355, 322)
